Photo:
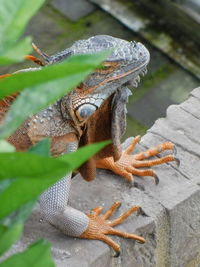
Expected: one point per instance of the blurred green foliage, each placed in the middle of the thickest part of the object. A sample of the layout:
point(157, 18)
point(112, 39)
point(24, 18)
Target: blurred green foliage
point(25, 175)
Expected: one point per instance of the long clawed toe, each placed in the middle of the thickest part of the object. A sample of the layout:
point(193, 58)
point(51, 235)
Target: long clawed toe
point(154, 151)
point(100, 226)
point(141, 159)
point(129, 164)
point(133, 144)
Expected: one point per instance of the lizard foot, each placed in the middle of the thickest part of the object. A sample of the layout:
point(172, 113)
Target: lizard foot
point(99, 226)
point(128, 164)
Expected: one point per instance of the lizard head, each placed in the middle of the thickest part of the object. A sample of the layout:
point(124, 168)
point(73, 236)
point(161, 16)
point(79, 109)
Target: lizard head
point(122, 68)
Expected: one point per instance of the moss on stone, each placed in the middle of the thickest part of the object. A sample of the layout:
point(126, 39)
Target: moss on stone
point(98, 22)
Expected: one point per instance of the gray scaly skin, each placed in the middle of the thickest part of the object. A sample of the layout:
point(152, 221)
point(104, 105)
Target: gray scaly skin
point(64, 121)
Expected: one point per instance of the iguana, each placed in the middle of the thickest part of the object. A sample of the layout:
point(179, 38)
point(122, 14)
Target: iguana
point(94, 111)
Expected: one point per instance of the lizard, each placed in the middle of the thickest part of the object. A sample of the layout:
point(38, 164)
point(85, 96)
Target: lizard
point(93, 111)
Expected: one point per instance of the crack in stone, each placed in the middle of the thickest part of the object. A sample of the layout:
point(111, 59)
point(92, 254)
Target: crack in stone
point(181, 128)
point(189, 112)
point(182, 147)
point(192, 140)
point(195, 96)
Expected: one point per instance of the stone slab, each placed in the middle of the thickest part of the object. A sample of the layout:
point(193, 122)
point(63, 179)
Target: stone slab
point(181, 200)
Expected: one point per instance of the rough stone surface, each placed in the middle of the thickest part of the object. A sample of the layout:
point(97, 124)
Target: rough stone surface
point(73, 10)
point(171, 225)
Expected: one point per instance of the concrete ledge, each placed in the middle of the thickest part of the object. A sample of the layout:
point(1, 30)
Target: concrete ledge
point(172, 227)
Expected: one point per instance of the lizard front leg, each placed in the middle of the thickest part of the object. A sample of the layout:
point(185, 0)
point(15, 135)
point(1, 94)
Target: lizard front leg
point(75, 223)
point(54, 201)
point(72, 222)
point(128, 164)
point(54, 208)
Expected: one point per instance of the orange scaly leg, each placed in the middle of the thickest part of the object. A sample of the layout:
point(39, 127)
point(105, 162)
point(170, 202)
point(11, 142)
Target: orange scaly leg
point(34, 59)
point(5, 75)
point(128, 164)
point(99, 226)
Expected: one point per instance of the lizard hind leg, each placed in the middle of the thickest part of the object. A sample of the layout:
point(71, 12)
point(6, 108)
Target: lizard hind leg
point(100, 226)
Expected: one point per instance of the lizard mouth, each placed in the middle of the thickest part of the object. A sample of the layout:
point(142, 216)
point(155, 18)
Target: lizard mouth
point(140, 70)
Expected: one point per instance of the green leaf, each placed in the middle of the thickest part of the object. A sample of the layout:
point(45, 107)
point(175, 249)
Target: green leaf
point(19, 215)
point(14, 15)
point(11, 227)
point(29, 165)
point(74, 159)
point(41, 96)
point(6, 147)
point(9, 235)
point(16, 52)
point(42, 148)
point(37, 255)
point(47, 170)
point(72, 66)
point(5, 183)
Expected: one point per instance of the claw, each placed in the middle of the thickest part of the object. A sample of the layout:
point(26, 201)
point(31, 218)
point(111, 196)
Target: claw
point(117, 253)
point(177, 161)
point(142, 212)
point(174, 150)
point(132, 183)
point(140, 241)
point(156, 179)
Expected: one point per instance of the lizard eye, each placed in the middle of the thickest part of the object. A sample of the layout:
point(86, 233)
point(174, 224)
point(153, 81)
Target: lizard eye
point(85, 111)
